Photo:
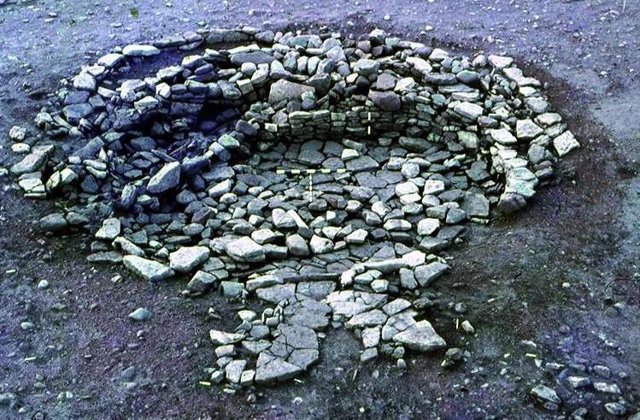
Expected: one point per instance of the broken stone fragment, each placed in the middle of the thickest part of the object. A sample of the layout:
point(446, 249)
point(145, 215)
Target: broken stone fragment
point(17, 134)
point(59, 179)
point(270, 369)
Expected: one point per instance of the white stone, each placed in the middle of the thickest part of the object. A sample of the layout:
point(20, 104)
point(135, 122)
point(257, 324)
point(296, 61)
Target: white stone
point(138, 50)
point(428, 226)
point(187, 258)
point(565, 143)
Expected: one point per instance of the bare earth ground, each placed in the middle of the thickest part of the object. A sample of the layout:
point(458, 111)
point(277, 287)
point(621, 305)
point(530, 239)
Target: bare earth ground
point(509, 274)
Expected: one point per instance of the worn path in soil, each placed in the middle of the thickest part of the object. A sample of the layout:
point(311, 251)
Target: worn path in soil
point(509, 274)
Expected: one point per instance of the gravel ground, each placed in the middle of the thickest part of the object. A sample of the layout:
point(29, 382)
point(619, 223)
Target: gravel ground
point(561, 275)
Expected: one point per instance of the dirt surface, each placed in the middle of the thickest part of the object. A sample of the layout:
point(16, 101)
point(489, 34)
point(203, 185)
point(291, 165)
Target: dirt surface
point(562, 274)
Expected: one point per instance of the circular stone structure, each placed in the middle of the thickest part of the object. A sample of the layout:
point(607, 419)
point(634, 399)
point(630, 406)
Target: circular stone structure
point(319, 175)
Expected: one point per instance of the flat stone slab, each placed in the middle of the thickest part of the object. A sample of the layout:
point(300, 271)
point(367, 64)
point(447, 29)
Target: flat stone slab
point(420, 337)
point(147, 269)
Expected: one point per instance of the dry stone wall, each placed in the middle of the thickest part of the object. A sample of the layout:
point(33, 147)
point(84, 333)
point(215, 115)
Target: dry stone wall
point(177, 167)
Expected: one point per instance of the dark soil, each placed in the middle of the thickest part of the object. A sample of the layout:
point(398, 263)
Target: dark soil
point(510, 274)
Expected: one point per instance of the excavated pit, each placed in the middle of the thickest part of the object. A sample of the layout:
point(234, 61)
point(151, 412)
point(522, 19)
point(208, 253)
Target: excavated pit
point(321, 176)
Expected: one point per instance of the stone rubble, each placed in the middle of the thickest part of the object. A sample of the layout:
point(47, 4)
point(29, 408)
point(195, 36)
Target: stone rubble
point(177, 170)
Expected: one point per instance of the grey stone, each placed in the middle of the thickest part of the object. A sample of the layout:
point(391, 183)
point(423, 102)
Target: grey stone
point(75, 112)
point(616, 409)
point(139, 50)
point(30, 163)
point(386, 100)
point(232, 289)
point(245, 250)
point(468, 110)
point(357, 237)
point(475, 205)
point(187, 258)
point(110, 60)
point(201, 282)
point(282, 220)
point(110, 229)
point(500, 62)
point(545, 394)
point(17, 134)
point(510, 202)
point(84, 81)
point(407, 279)
point(362, 164)
point(297, 245)
point(277, 293)
point(284, 90)
point(255, 57)
point(415, 144)
point(166, 178)
point(502, 136)
point(267, 280)
point(54, 222)
point(140, 314)
point(147, 269)
point(320, 245)
point(426, 274)
point(367, 319)
point(233, 371)
point(222, 338)
point(270, 369)
point(367, 67)
point(565, 143)
point(420, 337)
point(527, 130)
point(428, 226)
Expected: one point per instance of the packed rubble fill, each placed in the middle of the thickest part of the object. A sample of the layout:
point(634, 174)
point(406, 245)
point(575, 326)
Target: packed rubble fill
point(388, 149)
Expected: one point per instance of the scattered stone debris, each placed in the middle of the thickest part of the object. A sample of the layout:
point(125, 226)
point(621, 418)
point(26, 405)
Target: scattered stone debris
point(392, 148)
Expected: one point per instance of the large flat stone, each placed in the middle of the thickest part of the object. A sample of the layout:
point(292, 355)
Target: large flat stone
point(147, 269)
point(420, 337)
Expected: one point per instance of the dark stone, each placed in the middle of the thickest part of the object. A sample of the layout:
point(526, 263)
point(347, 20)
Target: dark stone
point(256, 57)
point(386, 101)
